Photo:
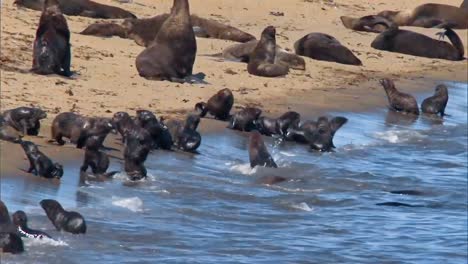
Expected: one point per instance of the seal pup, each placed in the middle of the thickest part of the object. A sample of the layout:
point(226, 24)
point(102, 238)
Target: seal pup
point(7, 133)
point(209, 28)
point(279, 126)
point(412, 43)
point(219, 105)
point(258, 152)
point(185, 135)
point(244, 120)
point(25, 119)
point(84, 8)
point(137, 147)
point(10, 241)
point(20, 220)
point(105, 30)
point(97, 160)
point(429, 15)
point(262, 59)
point(67, 221)
point(39, 163)
point(375, 24)
point(51, 51)
point(399, 101)
point(324, 47)
point(159, 132)
point(122, 123)
point(172, 53)
point(436, 104)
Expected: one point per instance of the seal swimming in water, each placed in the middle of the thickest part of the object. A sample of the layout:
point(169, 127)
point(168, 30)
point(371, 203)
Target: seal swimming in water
point(375, 24)
point(324, 47)
point(399, 101)
point(258, 152)
point(51, 51)
point(20, 220)
point(84, 8)
point(185, 135)
point(219, 105)
point(262, 59)
point(39, 163)
point(10, 241)
point(159, 132)
point(172, 53)
point(25, 119)
point(67, 221)
point(244, 120)
point(279, 126)
point(412, 43)
point(436, 104)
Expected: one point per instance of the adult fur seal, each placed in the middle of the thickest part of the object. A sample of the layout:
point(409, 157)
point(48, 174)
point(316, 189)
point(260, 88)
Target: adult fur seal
point(84, 8)
point(185, 134)
point(258, 152)
point(324, 47)
point(241, 52)
point(20, 220)
point(172, 54)
point(399, 101)
point(67, 221)
point(219, 105)
point(370, 23)
point(262, 59)
point(436, 104)
point(429, 15)
point(412, 43)
point(39, 163)
point(159, 132)
point(25, 119)
point(244, 120)
point(10, 241)
point(51, 51)
point(279, 126)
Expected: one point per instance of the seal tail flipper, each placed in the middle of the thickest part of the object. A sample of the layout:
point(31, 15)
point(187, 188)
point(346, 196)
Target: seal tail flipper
point(456, 42)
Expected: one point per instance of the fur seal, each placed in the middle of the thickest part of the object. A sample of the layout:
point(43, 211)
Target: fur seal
point(78, 128)
point(244, 120)
point(375, 24)
point(429, 15)
point(219, 105)
point(399, 101)
point(159, 132)
point(464, 5)
point(51, 51)
point(97, 160)
point(412, 43)
point(258, 152)
point(172, 53)
point(25, 119)
point(262, 59)
point(105, 30)
point(209, 28)
point(436, 104)
point(10, 241)
point(185, 134)
point(324, 47)
point(137, 147)
point(67, 221)
point(20, 220)
point(84, 8)
point(279, 126)
point(241, 52)
point(39, 163)
point(7, 133)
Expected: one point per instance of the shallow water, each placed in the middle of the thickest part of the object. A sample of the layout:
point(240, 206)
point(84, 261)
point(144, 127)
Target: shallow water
point(208, 208)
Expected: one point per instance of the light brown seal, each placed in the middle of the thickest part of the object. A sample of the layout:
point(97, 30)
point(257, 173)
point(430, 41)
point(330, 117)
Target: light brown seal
point(258, 152)
point(399, 101)
point(436, 104)
point(219, 105)
point(371, 23)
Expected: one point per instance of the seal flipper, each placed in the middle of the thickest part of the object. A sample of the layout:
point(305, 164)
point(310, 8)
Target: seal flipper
point(456, 41)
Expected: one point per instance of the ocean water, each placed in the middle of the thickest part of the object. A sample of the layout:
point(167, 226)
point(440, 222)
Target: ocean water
point(209, 208)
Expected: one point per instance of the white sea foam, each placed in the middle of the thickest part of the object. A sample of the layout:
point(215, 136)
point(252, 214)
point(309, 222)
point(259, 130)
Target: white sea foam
point(44, 241)
point(243, 168)
point(133, 204)
point(395, 136)
point(302, 206)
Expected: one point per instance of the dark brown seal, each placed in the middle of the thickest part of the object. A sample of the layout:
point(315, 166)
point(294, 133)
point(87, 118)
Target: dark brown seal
point(172, 54)
point(8, 133)
point(258, 152)
point(137, 147)
point(84, 8)
point(51, 51)
point(219, 105)
point(96, 159)
point(262, 59)
point(157, 129)
point(399, 101)
point(464, 5)
point(279, 126)
point(371, 23)
point(185, 134)
point(429, 15)
point(209, 28)
point(105, 30)
point(24, 119)
point(67, 221)
point(10, 241)
point(244, 120)
point(324, 47)
point(39, 163)
point(416, 44)
point(436, 104)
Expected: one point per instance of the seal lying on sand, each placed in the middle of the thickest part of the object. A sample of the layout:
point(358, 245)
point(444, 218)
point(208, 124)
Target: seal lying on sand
point(159, 132)
point(185, 134)
point(371, 23)
point(324, 47)
point(436, 104)
point(279, 126)
point(172, 53)
point(51, 51)
point(412, 43)
point(399, 101)
point(219, 105)
point(20, 220)
point(10, 241)
point(262, 59)
point(25, 119)
point(71, 222)
point(84, 8)
point(241, 52)
point(244, 120)
point(144, 30)
point(258, 152)
point(39, 163)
